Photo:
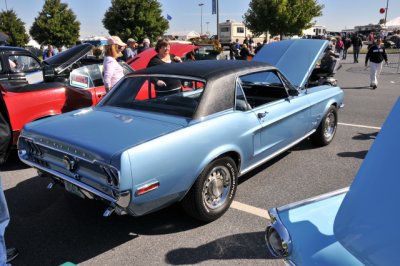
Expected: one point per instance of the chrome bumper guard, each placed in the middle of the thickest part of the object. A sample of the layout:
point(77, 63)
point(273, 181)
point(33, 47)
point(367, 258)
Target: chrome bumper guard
point(122, 201)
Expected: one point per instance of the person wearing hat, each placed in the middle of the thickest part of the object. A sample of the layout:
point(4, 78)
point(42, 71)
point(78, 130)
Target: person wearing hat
point(145, 45)
point(113, 71)
point(130, 50)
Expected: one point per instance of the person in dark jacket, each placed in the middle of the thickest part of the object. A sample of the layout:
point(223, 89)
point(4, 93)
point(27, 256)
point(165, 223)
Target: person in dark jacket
point(376, 54)
point(347, 44)
point(244, 52)
point(357, 45)
point(167, 85)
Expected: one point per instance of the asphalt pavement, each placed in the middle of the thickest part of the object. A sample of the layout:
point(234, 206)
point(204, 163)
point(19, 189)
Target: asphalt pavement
point(50, 227)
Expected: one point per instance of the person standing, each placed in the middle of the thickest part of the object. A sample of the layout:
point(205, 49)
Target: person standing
point(113, 71)
point(6, 254)
point(347, 44)
point(244, 52)
point(339, 46)
point(376, 54)
point(49, 52)
point(145, 45)
point(130, 51)
point(166, 85)
point(357, 45)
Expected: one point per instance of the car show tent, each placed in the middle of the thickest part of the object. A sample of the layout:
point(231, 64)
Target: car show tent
point(393, 24)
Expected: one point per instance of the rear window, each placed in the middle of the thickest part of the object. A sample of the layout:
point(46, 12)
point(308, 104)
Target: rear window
point(170, 95)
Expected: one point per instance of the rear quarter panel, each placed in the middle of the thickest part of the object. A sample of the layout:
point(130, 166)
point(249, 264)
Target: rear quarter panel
point(177, 159)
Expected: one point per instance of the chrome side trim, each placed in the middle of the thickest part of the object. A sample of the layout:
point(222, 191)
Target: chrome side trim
point(313, 199)
point(71, 180)
point(251, 167)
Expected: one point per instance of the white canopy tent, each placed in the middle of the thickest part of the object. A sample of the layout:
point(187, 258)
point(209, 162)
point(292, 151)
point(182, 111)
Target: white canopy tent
point(33, 43)
point(393, 24)
point(184, 35)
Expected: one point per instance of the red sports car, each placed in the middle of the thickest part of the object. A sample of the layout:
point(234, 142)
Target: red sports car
point(141, 60)
point(67, 81)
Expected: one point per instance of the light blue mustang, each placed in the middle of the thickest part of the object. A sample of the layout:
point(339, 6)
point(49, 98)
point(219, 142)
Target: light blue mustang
point(185, 132)
point(351, 226)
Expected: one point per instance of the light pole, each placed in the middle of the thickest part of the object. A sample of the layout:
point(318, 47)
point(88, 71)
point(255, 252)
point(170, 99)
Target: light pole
point(207, 26)
point(201, 18)
point(387, 6)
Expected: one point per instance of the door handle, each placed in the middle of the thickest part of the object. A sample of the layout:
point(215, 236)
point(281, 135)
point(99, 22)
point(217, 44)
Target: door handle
point(262, 115)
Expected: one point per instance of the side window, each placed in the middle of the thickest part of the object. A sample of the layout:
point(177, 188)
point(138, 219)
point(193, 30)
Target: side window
point(263, 87)
point(86, 77)
point(23, 63)
point(241, 102)
point(240, 30)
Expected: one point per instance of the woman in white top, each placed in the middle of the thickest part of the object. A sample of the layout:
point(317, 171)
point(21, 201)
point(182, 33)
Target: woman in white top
point(113, 71)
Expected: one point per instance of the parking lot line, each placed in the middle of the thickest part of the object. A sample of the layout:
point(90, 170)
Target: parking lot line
point(250, 209)
point(355, 125)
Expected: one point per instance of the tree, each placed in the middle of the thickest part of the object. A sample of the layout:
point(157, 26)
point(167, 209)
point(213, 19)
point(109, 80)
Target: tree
point(283, 17)
point(135, 19)
point(56, 24)
point(13, 26)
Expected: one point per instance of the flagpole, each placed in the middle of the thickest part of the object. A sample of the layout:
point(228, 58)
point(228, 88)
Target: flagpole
point(217, 20)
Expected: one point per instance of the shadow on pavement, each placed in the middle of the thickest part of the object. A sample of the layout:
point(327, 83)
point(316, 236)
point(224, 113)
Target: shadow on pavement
point(50, 227)
point(357, 88)
point(365, 136)
point(355, 154)
point(240, 246)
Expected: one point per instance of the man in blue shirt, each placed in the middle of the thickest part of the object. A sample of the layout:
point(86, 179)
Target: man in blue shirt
point(130, 50)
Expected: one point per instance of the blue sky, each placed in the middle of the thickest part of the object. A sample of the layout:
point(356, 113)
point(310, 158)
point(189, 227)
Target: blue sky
point(186, 14)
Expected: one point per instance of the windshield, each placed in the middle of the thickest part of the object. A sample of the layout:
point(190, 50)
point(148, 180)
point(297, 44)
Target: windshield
point(171, 95)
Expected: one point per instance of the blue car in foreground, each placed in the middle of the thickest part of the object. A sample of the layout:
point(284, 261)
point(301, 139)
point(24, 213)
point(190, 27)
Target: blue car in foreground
point(352, 226)
point(186, 132)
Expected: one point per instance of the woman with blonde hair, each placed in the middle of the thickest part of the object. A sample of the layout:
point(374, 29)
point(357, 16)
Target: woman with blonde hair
point(113, 71)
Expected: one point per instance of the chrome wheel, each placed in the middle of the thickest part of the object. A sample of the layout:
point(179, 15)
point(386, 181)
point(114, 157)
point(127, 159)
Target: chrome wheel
point(327, 128)
point(213, 192)
point(216, 187)
point(330, 126)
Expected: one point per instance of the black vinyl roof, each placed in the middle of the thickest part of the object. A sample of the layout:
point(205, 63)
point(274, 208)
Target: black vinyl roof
point(220, 77)
point(207, 69)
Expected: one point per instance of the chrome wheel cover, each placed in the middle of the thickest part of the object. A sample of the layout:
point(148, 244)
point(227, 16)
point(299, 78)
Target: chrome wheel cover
point(216, 187)
point(330, 126)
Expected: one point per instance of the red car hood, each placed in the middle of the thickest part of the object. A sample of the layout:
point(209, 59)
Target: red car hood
point(141, 60)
